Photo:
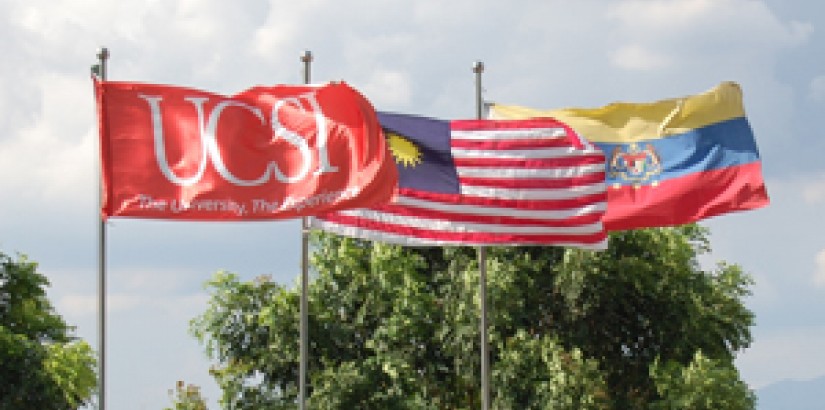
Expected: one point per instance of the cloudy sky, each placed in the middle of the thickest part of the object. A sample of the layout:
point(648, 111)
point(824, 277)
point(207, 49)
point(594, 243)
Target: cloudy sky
point(414, 57)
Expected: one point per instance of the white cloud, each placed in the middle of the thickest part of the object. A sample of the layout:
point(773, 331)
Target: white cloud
point(781, 354)
point(153, 280)
point(82, 306)
point(77, 305)
point(663, 14)
point(390, 88)
point(819, 275)
point(271, 40)
point(814, 192)
point(165, 292)
point(50, 162)
point(707, 19)
point(699, 33)
point(638, 57)
point(817, 89)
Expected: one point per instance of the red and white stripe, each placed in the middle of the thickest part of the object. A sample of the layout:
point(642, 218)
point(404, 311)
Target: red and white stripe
point(530, 182)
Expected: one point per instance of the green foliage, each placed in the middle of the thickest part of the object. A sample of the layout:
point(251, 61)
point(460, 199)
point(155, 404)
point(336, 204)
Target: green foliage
point(186, 397)
point(251, 328)
point(535, 373)
point(41, 366)
point(397, 328)
point(644, 299)
point(704, 384)
point(71, 367)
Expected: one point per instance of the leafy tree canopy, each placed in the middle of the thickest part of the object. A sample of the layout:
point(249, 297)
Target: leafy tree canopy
point(42, 366)
point(639, 326)
point(186, 397)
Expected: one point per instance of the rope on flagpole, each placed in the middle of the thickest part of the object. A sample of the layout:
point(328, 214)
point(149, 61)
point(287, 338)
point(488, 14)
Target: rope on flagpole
point(306, 58)
point(478, 68)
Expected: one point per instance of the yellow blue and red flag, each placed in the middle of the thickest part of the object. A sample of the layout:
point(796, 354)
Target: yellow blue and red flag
point(669, 162)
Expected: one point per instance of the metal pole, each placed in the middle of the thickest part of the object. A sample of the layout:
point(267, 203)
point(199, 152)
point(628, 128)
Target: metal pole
point(307, 60)
point(102, 56)
point(478, 68)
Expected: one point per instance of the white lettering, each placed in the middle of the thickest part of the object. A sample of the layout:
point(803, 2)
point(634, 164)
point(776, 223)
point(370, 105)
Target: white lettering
point(160, 150)
point(322, 198)
point(262, 205)
point(147, 202)
point(208, 126)
point(210, 140)
point(293, 138)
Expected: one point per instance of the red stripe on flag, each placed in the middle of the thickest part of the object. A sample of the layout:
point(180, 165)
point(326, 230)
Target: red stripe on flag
point(510, 144)
point(481, 125)
point(414, 211)
point(686, 199)
point(532, 204)
point(540, 163)
point(536, 183)
point(464, 237)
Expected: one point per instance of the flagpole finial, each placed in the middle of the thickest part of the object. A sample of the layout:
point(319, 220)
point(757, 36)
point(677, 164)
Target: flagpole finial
point(306, 58)
point(99, 69)
point(478, 68)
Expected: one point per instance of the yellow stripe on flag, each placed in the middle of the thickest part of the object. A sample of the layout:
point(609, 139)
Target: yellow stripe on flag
point(623, 122)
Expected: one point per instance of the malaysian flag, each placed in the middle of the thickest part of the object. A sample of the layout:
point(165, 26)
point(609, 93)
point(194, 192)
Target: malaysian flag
point(485, 182)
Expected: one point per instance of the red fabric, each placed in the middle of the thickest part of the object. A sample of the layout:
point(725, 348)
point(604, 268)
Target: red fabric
point(547, 188)
point(686, 199)
point(267, 153)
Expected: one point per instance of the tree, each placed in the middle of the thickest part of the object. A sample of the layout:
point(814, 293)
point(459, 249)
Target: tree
point(704, 384)
point(646, 299)
point(638, 326)
point(186, 397)
point(41, 365)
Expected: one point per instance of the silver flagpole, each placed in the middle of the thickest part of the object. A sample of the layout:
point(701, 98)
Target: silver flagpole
point(100, 70)
point(478, 68)
point(307, 60)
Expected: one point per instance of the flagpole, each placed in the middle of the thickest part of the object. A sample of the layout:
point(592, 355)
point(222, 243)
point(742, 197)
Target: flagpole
point(100, 70)
point(478, 68)
point(306, 58)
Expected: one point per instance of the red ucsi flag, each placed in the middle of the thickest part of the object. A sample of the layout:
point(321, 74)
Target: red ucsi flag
point(267, 153)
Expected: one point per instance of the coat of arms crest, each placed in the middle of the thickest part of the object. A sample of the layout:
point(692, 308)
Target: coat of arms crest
point(638, 166)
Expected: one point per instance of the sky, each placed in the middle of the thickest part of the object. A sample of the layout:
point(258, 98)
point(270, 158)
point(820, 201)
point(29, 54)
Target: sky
point(410, 57)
